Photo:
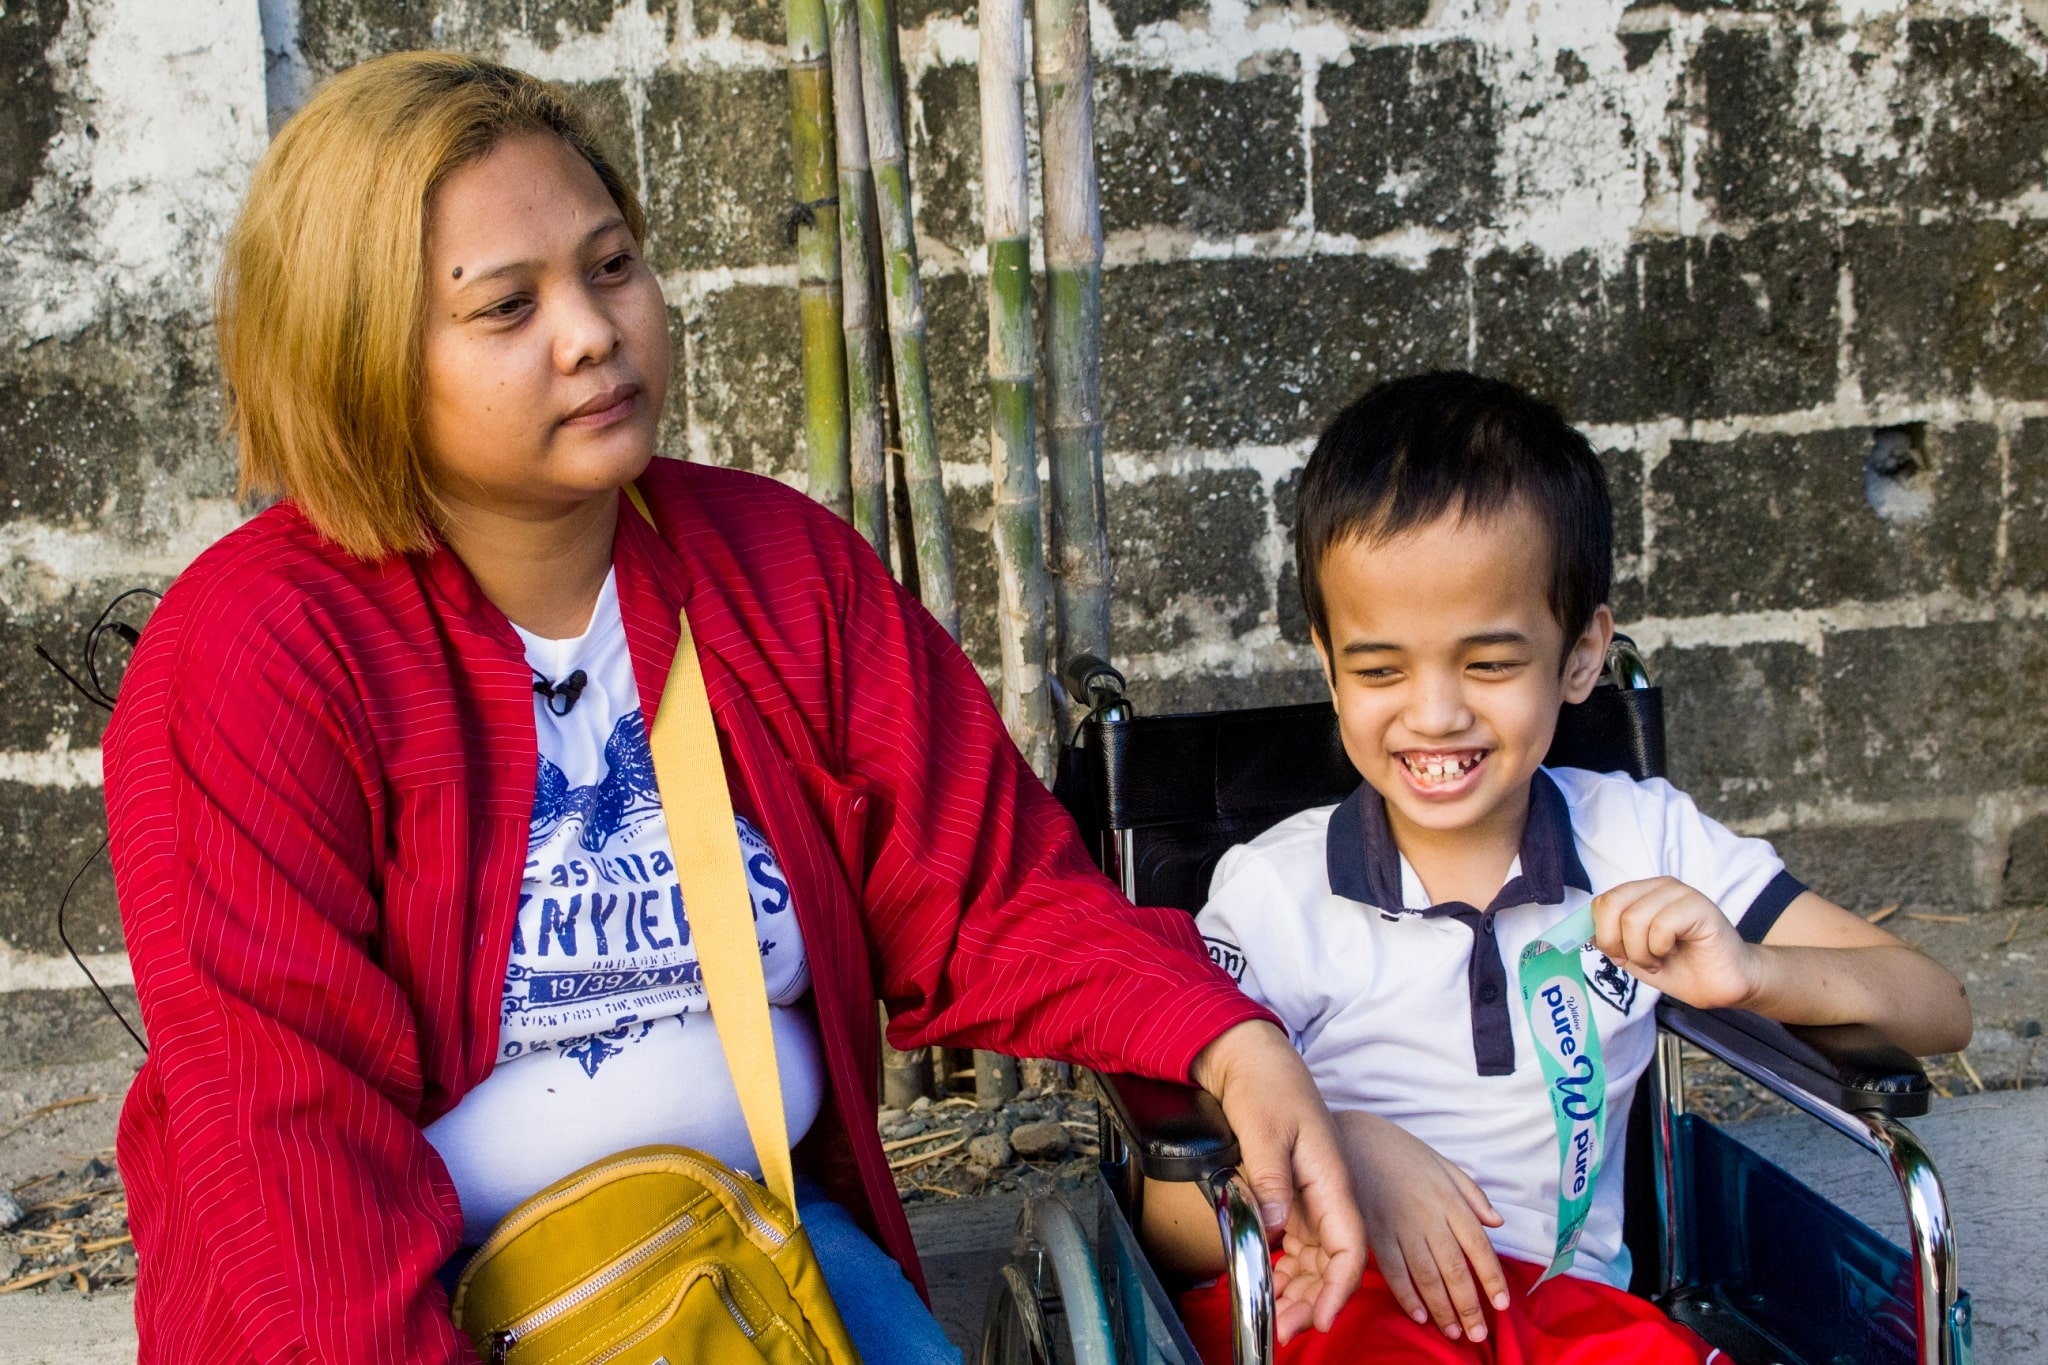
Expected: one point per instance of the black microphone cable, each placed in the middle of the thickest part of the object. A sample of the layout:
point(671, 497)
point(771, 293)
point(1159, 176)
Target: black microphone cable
point(96, 691)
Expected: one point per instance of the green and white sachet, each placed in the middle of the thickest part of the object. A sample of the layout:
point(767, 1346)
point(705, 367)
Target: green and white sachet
point(1561, 1025)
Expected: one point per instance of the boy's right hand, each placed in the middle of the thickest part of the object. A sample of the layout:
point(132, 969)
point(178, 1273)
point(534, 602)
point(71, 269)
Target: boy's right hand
point(1423, 1221)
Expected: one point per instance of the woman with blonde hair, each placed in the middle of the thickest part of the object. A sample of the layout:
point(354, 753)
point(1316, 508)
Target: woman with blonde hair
point(395, 877)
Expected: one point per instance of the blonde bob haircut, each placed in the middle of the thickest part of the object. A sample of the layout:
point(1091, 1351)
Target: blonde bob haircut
point(323, 288)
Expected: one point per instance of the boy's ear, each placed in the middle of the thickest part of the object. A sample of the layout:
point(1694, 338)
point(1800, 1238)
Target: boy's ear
point(1586, 660)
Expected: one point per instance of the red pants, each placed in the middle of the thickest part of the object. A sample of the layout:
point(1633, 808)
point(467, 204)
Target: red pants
point(1566, 1322)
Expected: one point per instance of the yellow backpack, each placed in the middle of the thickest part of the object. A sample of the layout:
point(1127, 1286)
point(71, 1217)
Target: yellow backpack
point(657, 1254)
point(663, 1255)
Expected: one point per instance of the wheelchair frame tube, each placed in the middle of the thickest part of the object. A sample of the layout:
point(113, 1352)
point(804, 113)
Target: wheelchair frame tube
point(1928, 1225)
point(1059, 1234)
point(1667, 1105)
point(1250, 1264)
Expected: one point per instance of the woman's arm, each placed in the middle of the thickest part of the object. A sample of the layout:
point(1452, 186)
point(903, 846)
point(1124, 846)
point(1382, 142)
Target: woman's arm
point(287, 1208)
point(1819, 964)
point(993, 929)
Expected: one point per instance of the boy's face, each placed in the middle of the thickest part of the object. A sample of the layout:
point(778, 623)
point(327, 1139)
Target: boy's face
point(1448, 668)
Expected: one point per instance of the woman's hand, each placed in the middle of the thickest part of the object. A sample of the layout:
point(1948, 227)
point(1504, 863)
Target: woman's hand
point(1424, 1217)
point(1288, 1146)
point(1675, 940)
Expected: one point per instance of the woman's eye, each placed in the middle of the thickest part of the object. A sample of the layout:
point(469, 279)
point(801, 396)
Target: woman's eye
point(505, 308)
point(616, 266)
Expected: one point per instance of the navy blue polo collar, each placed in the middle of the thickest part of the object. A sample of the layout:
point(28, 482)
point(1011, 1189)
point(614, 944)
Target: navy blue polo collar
point(1365, 866)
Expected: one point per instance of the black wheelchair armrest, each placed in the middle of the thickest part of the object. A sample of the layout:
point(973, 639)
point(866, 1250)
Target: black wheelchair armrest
point(1176, 1133)
point(1850, 1066)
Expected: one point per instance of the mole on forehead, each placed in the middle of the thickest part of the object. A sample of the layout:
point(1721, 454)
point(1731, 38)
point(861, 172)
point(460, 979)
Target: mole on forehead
point(458, 272)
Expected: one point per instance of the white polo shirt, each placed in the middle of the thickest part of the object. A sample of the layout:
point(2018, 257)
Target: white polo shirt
point(1407, 1010)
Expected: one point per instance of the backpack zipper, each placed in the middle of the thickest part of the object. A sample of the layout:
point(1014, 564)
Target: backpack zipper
point(503, 1340)
point(718, 1286)
point(732, 1307)
point(762, 1223)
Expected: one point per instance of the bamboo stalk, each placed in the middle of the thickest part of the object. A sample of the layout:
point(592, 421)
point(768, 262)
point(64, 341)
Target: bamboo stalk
point(1065, 75)
point(905, 295)
point(858, 233)
point(816, 220)
point(1013, 444)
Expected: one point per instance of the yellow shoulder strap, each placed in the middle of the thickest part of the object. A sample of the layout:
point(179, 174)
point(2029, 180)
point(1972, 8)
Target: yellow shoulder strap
point(710, 868)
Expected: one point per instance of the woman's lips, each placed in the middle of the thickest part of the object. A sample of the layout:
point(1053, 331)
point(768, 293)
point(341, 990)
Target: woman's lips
point(613, 405)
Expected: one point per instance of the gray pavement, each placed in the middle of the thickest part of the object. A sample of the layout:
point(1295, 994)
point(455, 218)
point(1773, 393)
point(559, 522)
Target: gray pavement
point(1992, 1152)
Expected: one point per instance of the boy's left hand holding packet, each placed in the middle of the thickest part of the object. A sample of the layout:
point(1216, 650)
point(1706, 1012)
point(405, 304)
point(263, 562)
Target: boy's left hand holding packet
point(1675, 940)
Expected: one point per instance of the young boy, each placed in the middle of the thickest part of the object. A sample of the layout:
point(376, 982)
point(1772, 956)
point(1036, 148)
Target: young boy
point(1456, 554)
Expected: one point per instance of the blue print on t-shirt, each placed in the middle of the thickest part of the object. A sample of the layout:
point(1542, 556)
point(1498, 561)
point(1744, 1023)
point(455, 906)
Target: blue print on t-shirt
point(601, 947)
point(625, 794)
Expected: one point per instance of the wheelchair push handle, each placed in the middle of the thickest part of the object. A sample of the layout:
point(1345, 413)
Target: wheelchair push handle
point(1098, 687)
point(1250, 1266)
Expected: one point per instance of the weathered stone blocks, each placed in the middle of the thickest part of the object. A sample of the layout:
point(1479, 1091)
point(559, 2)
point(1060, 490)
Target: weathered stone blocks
point(1743, 725)
point(970, 515)
point(760, 20)
point(1211, 156)
point(1777, 142)
point(1943, 308)
point(718, 168)
point(1936, 710)
point(1975, 107)
point(1229, 352)
point(609, 112)
point(1772, 521)
point(1295, 627)
point(745, 378)
point(2026, 529)
point(1226, 691)
point(2026, 866)
point(28, 94)
point(956, 349)
point(334, 34)
point(1760, 155)
point(1699, 327)
point(1188, 561)
point(54, 1027)
point(1924, 863)
point(945, 149)
point(1378, 16)
point(1408, 137)
point(48, 835)
point(96, 431)
point(38, 709)
point(1624, 470)
point(1132, 15)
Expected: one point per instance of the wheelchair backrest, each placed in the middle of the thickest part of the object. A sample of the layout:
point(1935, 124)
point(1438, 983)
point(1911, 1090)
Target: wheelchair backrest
point(1163, 798)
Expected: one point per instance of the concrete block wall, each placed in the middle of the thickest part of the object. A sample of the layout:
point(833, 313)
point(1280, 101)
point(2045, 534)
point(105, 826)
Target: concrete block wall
point(1785, 260)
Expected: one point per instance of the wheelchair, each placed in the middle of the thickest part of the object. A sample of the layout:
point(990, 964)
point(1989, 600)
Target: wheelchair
point(1722, 1240)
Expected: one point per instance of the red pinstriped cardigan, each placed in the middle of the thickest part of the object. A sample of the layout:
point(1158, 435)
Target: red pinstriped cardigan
point(319, 782)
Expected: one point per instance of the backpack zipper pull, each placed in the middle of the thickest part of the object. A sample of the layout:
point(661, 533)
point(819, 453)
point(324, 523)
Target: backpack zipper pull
point(501, 1346)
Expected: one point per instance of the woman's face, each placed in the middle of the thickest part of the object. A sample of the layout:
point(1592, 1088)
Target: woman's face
point(546, 343)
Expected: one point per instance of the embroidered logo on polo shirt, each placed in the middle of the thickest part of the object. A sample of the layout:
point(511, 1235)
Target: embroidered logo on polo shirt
point(1226, 955)
point(1608, 981)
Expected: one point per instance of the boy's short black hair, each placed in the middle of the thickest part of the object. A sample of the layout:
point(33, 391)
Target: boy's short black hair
point(1415, 449)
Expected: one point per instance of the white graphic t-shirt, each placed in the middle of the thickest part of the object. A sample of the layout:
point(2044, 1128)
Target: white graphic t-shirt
point(605, 1041)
